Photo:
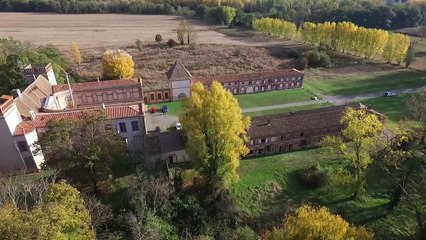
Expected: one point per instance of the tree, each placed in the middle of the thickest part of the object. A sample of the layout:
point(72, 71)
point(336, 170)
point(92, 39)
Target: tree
point(411, 56)
point(139, 45)
point(181, 31)
point(61, 215)
point(158, 38)
point(75, 52)
point(83, 150)
point(227, 14)
point(171, 43)
point(317, 223)
point(117, 64)
point(216, 131)
point(362, 130)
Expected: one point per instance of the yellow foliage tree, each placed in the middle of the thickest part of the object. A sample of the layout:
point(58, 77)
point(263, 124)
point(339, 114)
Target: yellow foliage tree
point(317, 223)
point(75, 52)
point(397, 47)
point(275, 27)
point(216, 131)
point(61, 215)
point(362, 130)
point(117, 64)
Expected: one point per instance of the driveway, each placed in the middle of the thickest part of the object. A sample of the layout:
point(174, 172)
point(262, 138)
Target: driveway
point(341, 100)
point(158, 119)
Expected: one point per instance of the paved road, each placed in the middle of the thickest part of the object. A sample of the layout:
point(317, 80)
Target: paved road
point(340, 100)
point(296, 104)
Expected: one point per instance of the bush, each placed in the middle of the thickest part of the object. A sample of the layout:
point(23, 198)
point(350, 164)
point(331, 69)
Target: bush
point(244, 233)
point(317, 59)
point(311, 177)
point(158, 38)
point(294, 54)
point(171, 43)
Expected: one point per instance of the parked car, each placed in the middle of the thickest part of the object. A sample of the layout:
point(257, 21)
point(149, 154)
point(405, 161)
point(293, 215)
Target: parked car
point(165, 109)
point(390, 94)
point(178, 126)
point(153, 109)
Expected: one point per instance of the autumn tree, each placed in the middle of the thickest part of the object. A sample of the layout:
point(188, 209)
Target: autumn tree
point(75, 53)
point(216, 131)
point(317, 223)
point(84, 150)
point(61, 215)
point(227, 14)
point(275, 27)
point(181, 31)
point(411, 56)
point(360, 133)
point(117, 64)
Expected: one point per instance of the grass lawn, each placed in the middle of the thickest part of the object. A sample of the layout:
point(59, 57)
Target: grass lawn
point(175, 108)
point(395, 108)
point(268, 189)
point(289, 109)
point(273, 98)
point(371, 82)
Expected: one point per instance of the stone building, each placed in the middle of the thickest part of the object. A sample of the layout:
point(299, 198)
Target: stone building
point(289, 131)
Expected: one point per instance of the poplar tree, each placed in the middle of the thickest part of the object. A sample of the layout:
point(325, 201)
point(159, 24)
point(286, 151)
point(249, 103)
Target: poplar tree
point(216, 133)
point(75, 53)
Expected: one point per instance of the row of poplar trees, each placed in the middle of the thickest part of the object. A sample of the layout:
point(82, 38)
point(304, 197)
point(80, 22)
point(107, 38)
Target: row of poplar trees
point(344, 37)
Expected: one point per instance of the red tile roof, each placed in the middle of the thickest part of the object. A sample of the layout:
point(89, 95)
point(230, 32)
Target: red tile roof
point(95, 85)
point(42, 119)
point(248, 76)
point(23, 127)
point(5, 103)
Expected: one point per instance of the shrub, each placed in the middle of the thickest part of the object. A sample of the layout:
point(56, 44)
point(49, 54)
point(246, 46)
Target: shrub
point(311, 177)
point(317, 59)
point(158, 38)
point(294, 54)
point(171, 43)
point(244, 233)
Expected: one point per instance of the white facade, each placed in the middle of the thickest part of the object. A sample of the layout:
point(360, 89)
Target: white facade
point(132, 130)
point(180, 89)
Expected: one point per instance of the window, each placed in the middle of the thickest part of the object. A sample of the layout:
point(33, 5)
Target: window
point(302, 134)
point(135, 126)
point(152, 96)
point(83, 99)
point(263, 140)
point(23, 146)
point(122, 127)
point(159, 96)
point(166, 95)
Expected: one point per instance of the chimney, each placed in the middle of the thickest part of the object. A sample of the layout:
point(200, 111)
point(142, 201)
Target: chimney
point(103, 106)
point(269, 122)
point(140, 80)
point(15, 93)
point(98, 80)
point(140, 108)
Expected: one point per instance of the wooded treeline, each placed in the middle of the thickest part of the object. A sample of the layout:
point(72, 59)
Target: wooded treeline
point(367, 13)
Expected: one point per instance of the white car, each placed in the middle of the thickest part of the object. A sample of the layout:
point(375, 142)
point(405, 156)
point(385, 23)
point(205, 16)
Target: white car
point(178, 126)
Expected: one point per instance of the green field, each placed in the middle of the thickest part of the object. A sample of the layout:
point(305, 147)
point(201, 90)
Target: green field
point(289, 109)
point(395, 108)
point(273, 98)
point(175, 108)
point(371, 82)
point(268, 189)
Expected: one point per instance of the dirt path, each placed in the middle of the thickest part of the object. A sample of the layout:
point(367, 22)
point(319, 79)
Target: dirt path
point(296, 104)
point(341, 100)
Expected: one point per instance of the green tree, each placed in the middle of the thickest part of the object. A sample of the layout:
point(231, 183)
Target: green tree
point(117, 64)
point(158, 38)
point(83, 150)
point(317, 223)
point(411, 56)
point(216, 131)
point(361, 130)
point(228, 14)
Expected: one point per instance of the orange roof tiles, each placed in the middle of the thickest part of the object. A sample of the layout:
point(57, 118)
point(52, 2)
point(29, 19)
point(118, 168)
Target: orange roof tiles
point(94, 85)
point(42, 119)
point(5, 103)
point(23, 127)
point(249, 76)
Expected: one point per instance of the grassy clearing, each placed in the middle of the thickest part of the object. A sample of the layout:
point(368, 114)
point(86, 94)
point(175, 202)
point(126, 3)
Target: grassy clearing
point(175, 108)
point(395, 108)
point(273, 98)
point(364, 83)
point(289, 109)
point(268, 189)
